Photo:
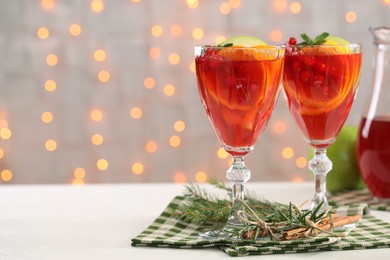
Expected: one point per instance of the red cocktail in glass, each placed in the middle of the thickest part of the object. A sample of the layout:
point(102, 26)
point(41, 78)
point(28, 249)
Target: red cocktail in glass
point(238, 88)
point(320, 84)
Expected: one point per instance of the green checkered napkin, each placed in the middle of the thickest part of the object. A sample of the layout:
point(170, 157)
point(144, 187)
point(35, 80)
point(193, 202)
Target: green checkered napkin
point(358, 196)
point(170, 232)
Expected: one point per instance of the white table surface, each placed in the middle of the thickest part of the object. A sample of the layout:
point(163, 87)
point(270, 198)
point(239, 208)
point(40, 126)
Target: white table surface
point(98, 222)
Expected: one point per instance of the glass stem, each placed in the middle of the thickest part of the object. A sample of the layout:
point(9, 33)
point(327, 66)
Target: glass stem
point(320, 165)
point(238, 174)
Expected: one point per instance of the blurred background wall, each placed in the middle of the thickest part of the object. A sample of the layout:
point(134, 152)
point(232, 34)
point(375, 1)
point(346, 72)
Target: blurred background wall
point(96, 91)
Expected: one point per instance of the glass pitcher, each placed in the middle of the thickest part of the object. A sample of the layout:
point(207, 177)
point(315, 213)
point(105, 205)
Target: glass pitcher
point(373, 145)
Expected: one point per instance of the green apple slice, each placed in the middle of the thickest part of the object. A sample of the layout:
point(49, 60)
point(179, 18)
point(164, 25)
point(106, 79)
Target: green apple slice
point(334, 40)
point(243, 41)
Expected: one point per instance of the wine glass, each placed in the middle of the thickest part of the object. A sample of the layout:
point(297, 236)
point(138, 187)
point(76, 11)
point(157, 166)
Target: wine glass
point(320, 84)
point(238, 87)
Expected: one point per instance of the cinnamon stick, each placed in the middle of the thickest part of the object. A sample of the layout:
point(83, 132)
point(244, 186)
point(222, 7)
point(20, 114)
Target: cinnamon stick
point(325, 225)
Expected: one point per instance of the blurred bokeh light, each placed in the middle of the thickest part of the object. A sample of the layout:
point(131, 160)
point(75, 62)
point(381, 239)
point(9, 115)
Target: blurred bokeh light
point(105, 91)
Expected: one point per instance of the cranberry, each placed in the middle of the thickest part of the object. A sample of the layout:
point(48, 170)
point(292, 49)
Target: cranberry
point(292, 41)
point(326, 91)
point(305, 76)
point(254, 92)
point(289, 50)
point(208, 53)
point(292, 48)
point(215, 61)
point(319, 67)
point(309, 61)
point(230, 81)
point(318, 80)
point(297, 66)
point(335, 75)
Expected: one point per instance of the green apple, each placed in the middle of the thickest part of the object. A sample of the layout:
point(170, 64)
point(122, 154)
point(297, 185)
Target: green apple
point(345, 173)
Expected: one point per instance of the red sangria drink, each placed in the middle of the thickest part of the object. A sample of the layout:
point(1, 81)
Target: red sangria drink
point(320, 88)
point(320, 81)
point(373, 146)
point(238, 83)
point(374, 155)
point(238, 88)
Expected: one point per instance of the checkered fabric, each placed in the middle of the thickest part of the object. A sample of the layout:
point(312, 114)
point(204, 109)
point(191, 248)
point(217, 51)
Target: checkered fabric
point(170, 232)
point(358, 196)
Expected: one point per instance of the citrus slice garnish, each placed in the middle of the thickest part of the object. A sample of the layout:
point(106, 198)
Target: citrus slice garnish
point(342, 45)
point(322, 82)
point(314, 107)
point(325, 90)
point(331, 45)
point(334, 40)
point(239, 92)
point(247, 48)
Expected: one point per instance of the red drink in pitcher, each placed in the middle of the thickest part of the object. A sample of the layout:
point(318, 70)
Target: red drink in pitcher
point(374, 155)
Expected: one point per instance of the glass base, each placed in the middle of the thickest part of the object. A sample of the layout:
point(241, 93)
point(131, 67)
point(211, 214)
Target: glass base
point(215, 234)
point(238, 174)
point(231, 231)
point(315, 202)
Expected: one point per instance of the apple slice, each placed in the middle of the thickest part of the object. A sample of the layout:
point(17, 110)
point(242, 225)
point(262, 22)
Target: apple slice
point(243, 41)
point(334, 40)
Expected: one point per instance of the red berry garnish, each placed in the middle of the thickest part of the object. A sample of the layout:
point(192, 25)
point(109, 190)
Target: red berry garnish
point(292, 41)
point(289, 50)
point(292, 48)
point(318, 80)
point(319, 67)
point(215, 60)
point(208, 53)
point(306, 76)
point(297, 66)
point(230, 81)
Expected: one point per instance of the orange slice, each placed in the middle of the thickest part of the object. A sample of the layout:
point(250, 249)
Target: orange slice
point(333, 45)
point(310, 104)
point(260, 52)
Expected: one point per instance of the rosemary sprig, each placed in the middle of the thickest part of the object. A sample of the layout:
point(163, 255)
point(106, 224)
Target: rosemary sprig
point(279, 221)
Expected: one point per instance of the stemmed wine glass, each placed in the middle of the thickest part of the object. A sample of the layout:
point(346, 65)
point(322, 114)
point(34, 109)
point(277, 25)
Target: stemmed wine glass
point(320, 84)
point(238, 87)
